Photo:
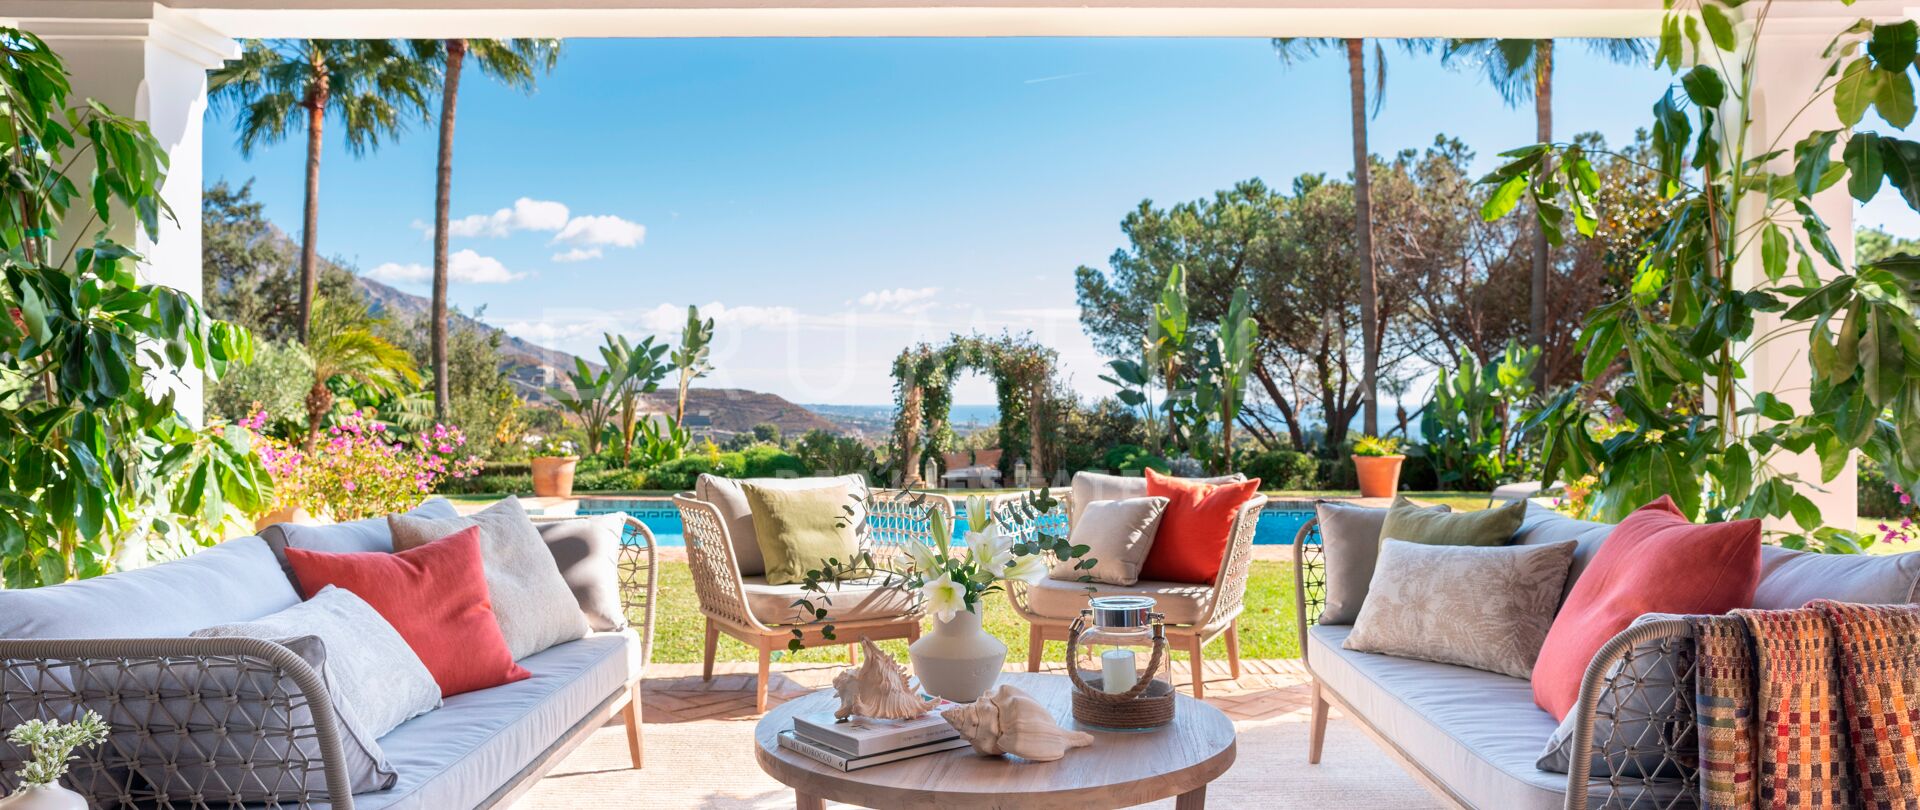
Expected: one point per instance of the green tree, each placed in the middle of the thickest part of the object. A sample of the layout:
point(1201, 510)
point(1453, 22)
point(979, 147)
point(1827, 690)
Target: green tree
point(248, 271)
point(1522, 70)
point(372, 87)
point(512, 62)
point(342, 345)
point(275, 380)
point(1873, 244)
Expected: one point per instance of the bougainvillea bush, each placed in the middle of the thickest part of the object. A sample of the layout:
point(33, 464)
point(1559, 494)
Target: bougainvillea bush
point(361, 468)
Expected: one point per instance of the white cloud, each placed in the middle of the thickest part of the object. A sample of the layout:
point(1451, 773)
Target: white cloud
point(527, 214)
point(601, 230)
point(899, 298)
point(577, 255)
point(464, 266)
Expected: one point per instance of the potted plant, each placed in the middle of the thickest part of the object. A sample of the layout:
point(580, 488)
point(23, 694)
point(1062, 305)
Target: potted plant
point(1376, 462)
point(553, 463)
point(49, 747)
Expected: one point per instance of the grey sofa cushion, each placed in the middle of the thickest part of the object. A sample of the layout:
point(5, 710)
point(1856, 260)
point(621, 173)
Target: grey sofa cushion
point(730, 500)
point(1643, 717)
point(587, 550)
point(1543, 525)
point(465, 752)
point(234, 581)
point(531, 601)
point(370, 534)
point(1476, 733)
point(1350, 542)
point(1089, 487)
point(1790, 579)
point(371, 673)
point(1483, 607)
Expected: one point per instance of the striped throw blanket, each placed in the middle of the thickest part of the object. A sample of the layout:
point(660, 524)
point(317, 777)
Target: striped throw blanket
point(1809, 708)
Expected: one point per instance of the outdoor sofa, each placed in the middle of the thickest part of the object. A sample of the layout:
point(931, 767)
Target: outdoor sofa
point(1475, 737)
point(199, 721)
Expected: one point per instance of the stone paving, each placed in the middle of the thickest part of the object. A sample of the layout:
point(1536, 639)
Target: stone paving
point(674, 693)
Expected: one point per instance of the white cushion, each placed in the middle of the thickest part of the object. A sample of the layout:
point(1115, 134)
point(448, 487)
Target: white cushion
point(1089, 487)
point(531, 600)
point(1063, 601)
point(1118, 535)
point(853, 600)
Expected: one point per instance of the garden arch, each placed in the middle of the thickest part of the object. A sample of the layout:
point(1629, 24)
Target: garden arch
point(923, 375)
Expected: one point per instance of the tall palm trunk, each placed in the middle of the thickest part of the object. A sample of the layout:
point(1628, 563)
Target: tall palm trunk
point(1363, 238)
point(309, 238)
point(1542, 258)
point(442, 203)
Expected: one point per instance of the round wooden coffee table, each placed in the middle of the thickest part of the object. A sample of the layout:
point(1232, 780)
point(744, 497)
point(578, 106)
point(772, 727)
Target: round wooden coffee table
point(1118, 770)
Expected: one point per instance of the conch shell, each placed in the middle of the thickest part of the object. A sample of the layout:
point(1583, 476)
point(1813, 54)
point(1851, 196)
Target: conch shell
point(1006, 720)
point(878, 689)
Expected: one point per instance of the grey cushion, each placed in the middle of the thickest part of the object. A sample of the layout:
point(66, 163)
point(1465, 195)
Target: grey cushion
point(587, 550)
point(372, 674)
point(1791, 579)
point(1483, 607)
point(462, 754)
point(1350, 544)
point(234, 581)
point(1118, 534)
point(1181, 602)
point(853, 601)
point(1543, 525)
point(736, 514)
point(1640, 717)
point(370, 534)
point(1475, 732)
point(531, 601)
point(1089, 487)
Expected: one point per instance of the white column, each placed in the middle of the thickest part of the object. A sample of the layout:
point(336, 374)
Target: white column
point(146, 60)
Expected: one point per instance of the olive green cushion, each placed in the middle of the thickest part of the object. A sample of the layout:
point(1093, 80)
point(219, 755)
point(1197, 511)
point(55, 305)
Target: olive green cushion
point(1487, 527)
point(800, 529)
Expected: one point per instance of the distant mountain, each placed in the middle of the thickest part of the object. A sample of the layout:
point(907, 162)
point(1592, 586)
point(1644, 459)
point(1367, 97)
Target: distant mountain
point(734, 410)
point(531, 366)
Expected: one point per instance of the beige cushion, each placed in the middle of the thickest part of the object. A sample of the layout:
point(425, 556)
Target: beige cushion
point(1181, 602)
point(1117, 535)
point(1350, 542)
point(1486, 607)
point(1089, 487)
point(531, 600)
point(853, 601)
point(730, 501)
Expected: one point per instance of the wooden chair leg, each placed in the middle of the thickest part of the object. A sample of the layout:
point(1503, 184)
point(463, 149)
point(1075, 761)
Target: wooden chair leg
point(1317, 736)
point(760, 686)
point(913, 631)
point(1199, 668)
point(853, 656)
point(632, 716)
point(713, 645)
point(1233, 648)
point(1036, 647)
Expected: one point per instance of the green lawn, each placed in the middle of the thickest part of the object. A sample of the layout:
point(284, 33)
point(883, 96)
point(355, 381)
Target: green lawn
point(1266, 628)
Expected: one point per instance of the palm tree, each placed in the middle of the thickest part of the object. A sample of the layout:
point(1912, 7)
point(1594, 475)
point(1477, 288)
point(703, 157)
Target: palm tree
point(1522, 69)
point(513, 62)
point(371, 86)
point(1293, 50)
point(341, 343)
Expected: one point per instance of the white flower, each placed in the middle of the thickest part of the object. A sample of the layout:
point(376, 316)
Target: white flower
point(944, 597)
point(1029, 569)
point(925, 559)
point(991, 552)
point(979, 513)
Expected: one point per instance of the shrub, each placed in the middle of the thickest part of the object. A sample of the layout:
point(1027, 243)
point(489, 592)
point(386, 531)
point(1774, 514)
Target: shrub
point(768, 461)
point(1128, 458)
point(274, 381)
point(1877, 497)
point(1282, 469)
point(360, 469)
point(679, 474)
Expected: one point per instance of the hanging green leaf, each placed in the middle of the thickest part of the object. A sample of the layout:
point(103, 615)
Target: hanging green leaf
point(1864, 168)
point(1703, 86)
point(1719, 25)
point(1892, 46)
point(1856, 89)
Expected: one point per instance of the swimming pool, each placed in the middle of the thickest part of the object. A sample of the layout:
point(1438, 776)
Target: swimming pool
point(1278, 522)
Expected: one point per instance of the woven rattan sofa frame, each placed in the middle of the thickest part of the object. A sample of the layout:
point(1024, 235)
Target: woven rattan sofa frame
point(25, 663)
point(1611, 672)
point(1221, 612)
point(894, 517)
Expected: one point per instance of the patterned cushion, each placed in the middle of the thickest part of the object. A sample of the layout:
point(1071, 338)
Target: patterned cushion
point(1350, 539)
point(1483, 607)
point(1880, 654)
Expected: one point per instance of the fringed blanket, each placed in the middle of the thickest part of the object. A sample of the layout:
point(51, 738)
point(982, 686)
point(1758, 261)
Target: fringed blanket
point(1809, 708)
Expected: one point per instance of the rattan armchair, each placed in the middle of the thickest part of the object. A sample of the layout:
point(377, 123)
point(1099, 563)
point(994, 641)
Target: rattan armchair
point(1215, 610)
point(763, 616)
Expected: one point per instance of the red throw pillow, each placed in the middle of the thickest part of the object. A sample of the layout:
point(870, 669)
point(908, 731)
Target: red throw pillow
point(435, 596)
point(1192, 538)
point(1655, 561)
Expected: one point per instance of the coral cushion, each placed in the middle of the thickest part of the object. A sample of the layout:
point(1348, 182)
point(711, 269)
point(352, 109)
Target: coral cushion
point(1655, 561)
point(1192, 538)
point(435, 596)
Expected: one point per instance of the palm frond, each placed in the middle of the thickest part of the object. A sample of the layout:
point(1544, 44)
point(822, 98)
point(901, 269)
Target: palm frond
point(1294, 50)
point(515, 62)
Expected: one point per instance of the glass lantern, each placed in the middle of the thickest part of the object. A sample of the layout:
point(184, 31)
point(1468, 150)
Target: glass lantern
point(1114, 641)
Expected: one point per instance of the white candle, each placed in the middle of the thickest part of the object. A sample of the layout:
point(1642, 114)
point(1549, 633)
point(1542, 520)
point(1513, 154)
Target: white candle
point(1116, 671)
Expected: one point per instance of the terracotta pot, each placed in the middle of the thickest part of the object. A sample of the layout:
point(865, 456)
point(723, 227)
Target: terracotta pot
point(1379, 475)
point(285, 514)
point(553, 476)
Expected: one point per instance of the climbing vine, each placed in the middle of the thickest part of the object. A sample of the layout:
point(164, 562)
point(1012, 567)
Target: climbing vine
point(923, 397)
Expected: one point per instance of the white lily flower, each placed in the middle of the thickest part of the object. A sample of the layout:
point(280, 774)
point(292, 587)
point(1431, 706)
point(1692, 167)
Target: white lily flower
point(979, 513)
point(1030, 569)
point(990, 550)
point(925, 558)
point(944, 597)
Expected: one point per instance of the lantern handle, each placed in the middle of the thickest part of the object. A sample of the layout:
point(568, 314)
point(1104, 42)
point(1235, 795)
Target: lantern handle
point(1139, 686)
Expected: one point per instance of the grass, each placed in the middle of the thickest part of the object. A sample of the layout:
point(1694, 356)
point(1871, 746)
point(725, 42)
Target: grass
point(1266, 627)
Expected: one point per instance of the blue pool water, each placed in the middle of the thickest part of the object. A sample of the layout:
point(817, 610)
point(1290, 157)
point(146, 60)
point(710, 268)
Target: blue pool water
point(1277, 527)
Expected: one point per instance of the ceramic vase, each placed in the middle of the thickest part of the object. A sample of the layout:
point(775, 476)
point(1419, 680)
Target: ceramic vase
point(958, 660)
point(1379, 475)
point(43, 797)
point(553, 476)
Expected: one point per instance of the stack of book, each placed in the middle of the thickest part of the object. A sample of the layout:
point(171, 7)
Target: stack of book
point(863, 743)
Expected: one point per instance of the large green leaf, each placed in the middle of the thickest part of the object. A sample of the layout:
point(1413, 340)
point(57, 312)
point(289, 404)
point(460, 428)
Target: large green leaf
point(1864, 168)
point(1719, 25)
point(1894, 101)
point(1859, 84)
point(1892, 46)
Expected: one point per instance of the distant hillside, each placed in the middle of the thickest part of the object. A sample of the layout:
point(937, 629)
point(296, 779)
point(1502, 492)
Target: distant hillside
point(531, 366)
point(733, 410)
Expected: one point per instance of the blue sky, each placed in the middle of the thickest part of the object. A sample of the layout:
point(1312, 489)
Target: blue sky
point(831, 201)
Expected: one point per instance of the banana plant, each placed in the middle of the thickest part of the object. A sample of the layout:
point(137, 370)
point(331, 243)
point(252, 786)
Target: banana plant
point(1235, 341)
point(636, 371)
point(691, 359)
point(589, 399)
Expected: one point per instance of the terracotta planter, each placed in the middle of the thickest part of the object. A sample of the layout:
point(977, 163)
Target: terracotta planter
point(553, 476)
point(1379, 475)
